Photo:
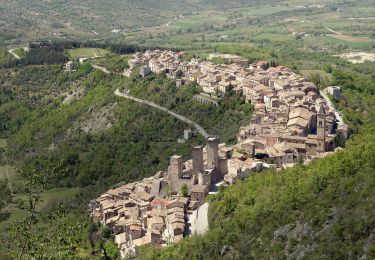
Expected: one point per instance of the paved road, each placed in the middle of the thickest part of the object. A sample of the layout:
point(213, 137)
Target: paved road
point(199, 220)
point(331, 107)
point(14, 54)
point(178, 116)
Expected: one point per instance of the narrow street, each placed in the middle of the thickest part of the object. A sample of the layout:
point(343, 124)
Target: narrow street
point(332, 108)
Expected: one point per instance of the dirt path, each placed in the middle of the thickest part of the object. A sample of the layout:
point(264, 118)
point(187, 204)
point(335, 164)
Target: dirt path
point(14, 54)
point(9, 179)
point(178, 116)
point(101, 68)
point(333, 31)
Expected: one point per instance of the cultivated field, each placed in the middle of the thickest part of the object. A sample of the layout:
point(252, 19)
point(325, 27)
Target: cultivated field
point(357, 57)
point(349, 38)
point(87, 52)
point(330, 25)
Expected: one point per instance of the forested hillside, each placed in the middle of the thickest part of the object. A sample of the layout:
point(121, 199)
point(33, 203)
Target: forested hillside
point(71, 138)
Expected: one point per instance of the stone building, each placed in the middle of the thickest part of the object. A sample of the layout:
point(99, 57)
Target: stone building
point(145, 71)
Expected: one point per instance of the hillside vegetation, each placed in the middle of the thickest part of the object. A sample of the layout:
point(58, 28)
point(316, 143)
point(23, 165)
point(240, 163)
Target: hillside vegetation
point(68, 133)
point(324, 210)
point(71, 138)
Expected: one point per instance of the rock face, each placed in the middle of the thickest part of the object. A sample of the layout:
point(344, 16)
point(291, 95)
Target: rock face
point(76, 93)
point(97, 119)
point(292, 236)
point(228, 252)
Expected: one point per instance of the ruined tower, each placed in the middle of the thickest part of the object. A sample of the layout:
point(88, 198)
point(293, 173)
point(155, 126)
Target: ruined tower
point(223, 166)
point(197, 154)
point(213, 158)
point(204, 177)
point(212, 152)
point(175, 172)
point(321, 129)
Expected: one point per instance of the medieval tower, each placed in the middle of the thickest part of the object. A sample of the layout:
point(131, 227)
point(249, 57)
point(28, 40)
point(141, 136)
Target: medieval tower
point(175, 172)
point(197, 154)
point(212, 152)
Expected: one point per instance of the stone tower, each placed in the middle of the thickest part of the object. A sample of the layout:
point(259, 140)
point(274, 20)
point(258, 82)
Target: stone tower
point(175, 172)
point(205, 177)
point(197, 154)
point(223, 166)
point(212, 152)
point(321, 129)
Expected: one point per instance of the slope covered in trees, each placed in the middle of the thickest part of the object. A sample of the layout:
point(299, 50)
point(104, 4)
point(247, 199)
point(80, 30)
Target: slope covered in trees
point(324, 210)
point(68, 132)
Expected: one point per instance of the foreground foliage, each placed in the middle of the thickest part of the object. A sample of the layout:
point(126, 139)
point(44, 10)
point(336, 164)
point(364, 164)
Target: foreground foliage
point(323, 210)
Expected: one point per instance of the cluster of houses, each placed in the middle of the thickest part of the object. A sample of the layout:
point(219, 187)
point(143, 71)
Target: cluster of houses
point(291, 119)
point(154, 210)
point(291, 123)
point(142, 213)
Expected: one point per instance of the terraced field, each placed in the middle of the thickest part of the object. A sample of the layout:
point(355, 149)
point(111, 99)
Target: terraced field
point(193, 23)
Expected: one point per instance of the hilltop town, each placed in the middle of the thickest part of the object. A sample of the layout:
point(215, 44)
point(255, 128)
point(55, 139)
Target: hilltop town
point(292, 123)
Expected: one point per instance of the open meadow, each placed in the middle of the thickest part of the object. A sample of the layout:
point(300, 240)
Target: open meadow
point(87, 52)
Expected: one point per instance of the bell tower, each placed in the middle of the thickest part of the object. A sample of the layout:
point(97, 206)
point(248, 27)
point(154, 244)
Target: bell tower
point(321, 129)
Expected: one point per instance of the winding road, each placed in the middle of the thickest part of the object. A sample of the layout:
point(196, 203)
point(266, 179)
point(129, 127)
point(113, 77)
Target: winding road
point(152, 104)
point(178, 116)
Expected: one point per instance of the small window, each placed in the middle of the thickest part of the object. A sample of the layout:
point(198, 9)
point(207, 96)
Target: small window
point(320, 123)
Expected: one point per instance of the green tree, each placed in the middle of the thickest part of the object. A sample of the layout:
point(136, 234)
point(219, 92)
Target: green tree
point(184, 190)
point(111, 249)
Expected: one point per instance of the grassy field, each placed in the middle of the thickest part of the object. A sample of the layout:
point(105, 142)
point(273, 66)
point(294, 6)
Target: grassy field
point(7, 172)
point(322, 73)
point(48, 199)
point(349, 38)
point(87, 52)
point(20, 52)
point(3, 143)
point(4, 56)
point(55, 195)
